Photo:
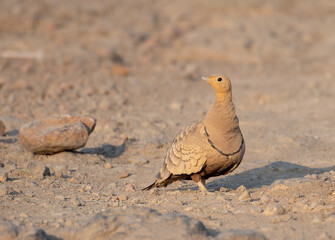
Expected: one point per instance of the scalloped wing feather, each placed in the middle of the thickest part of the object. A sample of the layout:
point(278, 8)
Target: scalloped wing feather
point(186, 156)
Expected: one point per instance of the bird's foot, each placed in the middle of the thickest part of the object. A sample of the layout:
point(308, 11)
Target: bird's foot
point(203, 189)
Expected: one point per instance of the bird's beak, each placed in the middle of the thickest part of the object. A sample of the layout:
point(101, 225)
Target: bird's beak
point(204, 78)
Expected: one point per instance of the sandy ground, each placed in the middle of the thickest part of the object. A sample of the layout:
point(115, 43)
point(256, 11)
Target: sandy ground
point(136, 67)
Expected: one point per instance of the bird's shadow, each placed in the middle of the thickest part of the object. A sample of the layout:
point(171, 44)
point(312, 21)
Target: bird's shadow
point(106, 150)
point(265, 176)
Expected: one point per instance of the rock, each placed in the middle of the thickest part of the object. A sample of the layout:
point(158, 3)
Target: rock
point(2, 128)
point(245, 196)
point(141, 223)
point(59, 170)
point(273, 210)
point(60, 197)
point(37, 170)
point(120, 70)
point(241, 235)
point(130, 188)
point(122, 197)
point(223, 189)
point(175, 106)
point(279, 186)
point(241, 189)
point(77, 202)
point(8, 230)
point(256, 209)
point(56, 134)
point(3, 175)
point(108, 165)
point(124, 175)
point(265, 199)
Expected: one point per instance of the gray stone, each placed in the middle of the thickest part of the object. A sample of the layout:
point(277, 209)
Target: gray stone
point(141, 223)
point(56, 134)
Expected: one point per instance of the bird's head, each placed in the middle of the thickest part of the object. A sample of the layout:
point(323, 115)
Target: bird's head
point(219, 83)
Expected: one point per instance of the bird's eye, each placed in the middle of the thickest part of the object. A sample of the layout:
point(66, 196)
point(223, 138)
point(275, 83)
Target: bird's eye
point(219, 79)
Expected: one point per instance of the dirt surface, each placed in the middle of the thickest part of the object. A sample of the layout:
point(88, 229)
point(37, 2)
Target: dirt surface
point(136, 67)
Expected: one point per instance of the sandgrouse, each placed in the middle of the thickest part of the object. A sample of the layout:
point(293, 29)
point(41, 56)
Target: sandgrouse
point(210, 147)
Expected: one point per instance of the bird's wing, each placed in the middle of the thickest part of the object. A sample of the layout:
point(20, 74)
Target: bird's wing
point(186, 154)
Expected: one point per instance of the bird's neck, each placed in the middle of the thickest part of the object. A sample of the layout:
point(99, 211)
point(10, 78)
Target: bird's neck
point(221, 114)
point(221, 121)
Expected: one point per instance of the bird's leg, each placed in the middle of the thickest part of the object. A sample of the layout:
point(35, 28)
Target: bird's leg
point(201, 185)
point(200, 182)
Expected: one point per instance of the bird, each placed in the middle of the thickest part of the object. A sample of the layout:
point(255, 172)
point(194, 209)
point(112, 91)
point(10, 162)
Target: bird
point(209, 147)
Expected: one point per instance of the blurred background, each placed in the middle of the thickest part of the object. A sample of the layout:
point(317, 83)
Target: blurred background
point(136, 67)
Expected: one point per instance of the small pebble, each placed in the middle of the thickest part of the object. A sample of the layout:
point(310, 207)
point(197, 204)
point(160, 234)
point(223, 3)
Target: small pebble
point(60, 197)
point(223, 189)
point(265, 199)
point(3, 175)
point(256, 209)
point(124, 175)
point(130, 188)
point(245, 196)
point(135, 201)
point(273, 210)
point(108, 165)
point(122, 197)
point(120, 70)
point(37, 170)
point(189, 209)
point(241, 189)
point(175, 106)
point(76, 202)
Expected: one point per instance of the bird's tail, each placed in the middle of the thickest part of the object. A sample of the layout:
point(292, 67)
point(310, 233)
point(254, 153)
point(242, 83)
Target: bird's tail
point(150, 186)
